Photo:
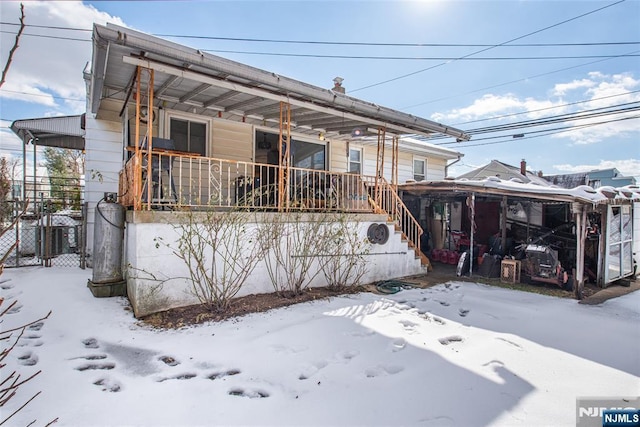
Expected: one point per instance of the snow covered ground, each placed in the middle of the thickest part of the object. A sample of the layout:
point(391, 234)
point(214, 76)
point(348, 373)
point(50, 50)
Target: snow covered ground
point(459, 354)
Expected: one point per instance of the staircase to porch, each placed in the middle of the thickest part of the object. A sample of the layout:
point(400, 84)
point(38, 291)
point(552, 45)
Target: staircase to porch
point(384, 199)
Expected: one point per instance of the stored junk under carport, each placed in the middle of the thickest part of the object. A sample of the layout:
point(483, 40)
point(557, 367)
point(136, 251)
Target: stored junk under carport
point(550, 234)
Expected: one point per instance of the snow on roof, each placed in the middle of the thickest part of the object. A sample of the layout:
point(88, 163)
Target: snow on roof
point(492, 184)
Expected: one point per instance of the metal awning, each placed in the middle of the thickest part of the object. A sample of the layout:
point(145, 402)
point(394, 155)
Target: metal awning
point(59, 132)
point(188, 80)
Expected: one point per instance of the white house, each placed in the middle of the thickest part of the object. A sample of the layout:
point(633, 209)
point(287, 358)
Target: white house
point(171, 131)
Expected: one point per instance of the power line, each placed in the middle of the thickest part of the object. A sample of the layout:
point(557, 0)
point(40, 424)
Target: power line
point(367, 57)
point(514, 81)
point(488, 48)
point(416, 58)
point(42, 95)
point(548, 132)
point(48, 36)
point(340, 43)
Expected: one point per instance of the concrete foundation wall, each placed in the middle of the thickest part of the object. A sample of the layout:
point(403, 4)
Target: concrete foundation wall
point(148, 233)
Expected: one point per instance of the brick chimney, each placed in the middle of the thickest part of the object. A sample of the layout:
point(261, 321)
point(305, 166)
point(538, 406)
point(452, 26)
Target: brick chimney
point(523, 167)
point(337, 85)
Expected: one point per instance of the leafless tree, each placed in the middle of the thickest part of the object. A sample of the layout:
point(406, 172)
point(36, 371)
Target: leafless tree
point(5, 71)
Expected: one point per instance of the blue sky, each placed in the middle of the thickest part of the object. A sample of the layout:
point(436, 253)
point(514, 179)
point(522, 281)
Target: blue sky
point(45, 78)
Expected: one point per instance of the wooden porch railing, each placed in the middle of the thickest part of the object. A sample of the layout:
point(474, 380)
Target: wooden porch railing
point(180, 181)
point(187, 181)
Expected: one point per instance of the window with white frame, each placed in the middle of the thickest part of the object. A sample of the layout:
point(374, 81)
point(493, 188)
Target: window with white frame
point(355, 160)
point(419, 169)
point(188, 135)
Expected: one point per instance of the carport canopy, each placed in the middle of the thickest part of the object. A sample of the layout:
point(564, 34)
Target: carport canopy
point(59, 132)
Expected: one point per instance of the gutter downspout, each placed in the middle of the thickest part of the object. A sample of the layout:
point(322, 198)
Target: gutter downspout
point(446, 167)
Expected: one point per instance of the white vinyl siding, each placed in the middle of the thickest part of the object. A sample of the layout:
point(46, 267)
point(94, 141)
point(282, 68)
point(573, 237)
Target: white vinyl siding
point(338, 156)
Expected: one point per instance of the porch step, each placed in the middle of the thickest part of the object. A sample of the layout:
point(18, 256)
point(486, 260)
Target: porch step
point(424, 260)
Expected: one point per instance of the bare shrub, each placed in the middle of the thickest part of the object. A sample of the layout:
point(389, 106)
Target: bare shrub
point(220, 253)
point(345, 264)
point(296, 243)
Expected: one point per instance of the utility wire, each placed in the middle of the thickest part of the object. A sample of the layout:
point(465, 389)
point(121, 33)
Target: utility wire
point(46, 36)
point(416, 58)
point(488, 48)
point(513, 81)
point(550, 132)
point(339, 43)
point(368, 57)
point(545, 108)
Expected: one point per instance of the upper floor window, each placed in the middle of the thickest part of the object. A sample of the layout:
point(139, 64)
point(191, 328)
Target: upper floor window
point(419, 169)
point(355, 160)
point(188, 136)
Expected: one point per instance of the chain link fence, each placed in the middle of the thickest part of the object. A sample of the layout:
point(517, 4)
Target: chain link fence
point(46, 234)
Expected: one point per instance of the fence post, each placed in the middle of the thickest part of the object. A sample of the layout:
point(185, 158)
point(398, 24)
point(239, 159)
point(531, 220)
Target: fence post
point(18, 225)
point(83, 237)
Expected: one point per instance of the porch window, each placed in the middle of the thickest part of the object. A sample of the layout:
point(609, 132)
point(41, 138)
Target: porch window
point(308, 155)
point(419, 169)
point(355, 160)
point(188, 136)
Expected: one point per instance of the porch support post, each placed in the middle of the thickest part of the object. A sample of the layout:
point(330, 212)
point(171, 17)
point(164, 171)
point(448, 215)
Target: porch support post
point(503, 224)
point(378, 188)
point(137, 166)
point(581, 233)
point(284, 151)
point(472, 233)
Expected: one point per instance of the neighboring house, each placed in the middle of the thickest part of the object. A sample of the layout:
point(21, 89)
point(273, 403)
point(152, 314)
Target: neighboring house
point(595, 179)
point(505, 172)
point(174, 131)
point(26, 186)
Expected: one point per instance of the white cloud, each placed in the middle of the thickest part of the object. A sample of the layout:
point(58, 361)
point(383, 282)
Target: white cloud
point(627, 167)
point(600, 90)
point(561, 89)
point(44, 68)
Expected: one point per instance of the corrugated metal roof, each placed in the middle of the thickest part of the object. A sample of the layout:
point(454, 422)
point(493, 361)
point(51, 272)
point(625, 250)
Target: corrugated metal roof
point(61, 132)
point(497, 186)
point(187, 79)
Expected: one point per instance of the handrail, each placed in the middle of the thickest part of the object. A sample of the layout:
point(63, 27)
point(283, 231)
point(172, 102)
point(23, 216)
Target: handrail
point(389, 202)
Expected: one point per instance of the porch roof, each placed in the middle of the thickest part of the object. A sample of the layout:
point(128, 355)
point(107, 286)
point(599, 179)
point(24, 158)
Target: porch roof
point(59, 132)
point(189, 80)
point(498, 187)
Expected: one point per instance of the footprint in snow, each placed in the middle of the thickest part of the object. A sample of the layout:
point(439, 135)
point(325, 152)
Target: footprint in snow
point(408, 325)
point(15, 309)
point(186, 376)
point(444, 303)
point(218, 375)
point(108, 385)
point(463, 312)
point(398, 344)
point(382, 370)
point(251, 394)
point(90, 343)
point(347, 354)
point(36, 326)
point(28, 359)
point(168, 360)
point(5, 285)
point(312, 369)
point(448, 340)
point(30, 340)
point(96, 366)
